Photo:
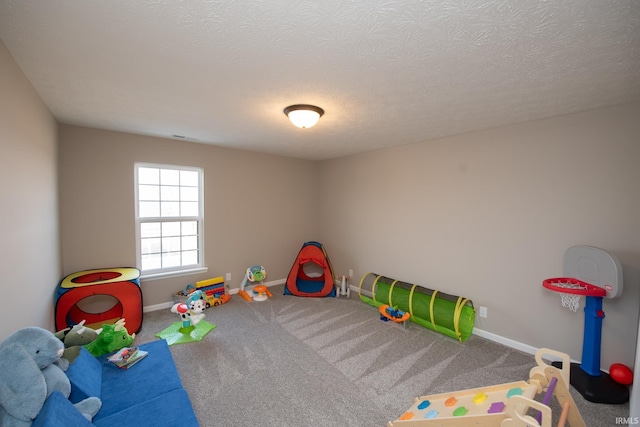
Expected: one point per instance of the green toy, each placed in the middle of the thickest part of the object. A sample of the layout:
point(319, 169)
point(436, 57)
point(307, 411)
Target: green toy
point(111, 338)
point(28, 375)
point(450, 315)
point(179, 334)
point(74, 339)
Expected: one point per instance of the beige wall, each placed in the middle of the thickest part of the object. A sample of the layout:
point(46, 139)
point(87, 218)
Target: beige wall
point(29, 260)
point(259, 209)
point(486, 215)
point(489, 215)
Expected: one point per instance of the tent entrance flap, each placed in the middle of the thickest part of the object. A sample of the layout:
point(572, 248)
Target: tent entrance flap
point(311, 274)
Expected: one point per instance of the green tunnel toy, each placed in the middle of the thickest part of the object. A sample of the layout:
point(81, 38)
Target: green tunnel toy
point(450, 315)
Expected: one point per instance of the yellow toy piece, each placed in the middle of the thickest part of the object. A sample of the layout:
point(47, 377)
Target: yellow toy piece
point(99, 277)
point(214, 290)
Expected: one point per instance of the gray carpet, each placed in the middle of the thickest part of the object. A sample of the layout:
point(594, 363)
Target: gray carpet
point(300, 362)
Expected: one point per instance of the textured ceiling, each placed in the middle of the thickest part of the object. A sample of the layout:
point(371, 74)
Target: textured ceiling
point(387, 72)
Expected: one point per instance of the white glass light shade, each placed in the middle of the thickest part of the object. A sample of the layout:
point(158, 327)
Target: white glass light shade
point(304, 116)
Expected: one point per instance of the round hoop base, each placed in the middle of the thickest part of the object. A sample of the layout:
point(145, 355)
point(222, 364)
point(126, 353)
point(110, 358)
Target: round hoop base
point(597, 389)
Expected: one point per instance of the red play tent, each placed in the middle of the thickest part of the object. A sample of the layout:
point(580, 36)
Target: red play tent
point(311, 274)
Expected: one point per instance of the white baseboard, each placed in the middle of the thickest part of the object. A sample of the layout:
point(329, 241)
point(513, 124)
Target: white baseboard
point(504, 341)
point(169, 304)
point(156, 307)
point(485, 334)
point(267, 284)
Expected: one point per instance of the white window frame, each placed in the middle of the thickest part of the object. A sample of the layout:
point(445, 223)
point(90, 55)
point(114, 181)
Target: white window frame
point(175, 270)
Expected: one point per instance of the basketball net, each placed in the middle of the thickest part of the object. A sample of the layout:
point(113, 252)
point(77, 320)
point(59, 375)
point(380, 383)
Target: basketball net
point(570, 301)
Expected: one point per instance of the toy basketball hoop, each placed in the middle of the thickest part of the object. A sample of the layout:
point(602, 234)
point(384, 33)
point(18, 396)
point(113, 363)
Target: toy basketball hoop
point(571, 290)
point(594, 274)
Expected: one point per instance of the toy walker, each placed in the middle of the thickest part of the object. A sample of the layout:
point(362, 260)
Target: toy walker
point(258, 292)
point(594, 274)
point(504, 405)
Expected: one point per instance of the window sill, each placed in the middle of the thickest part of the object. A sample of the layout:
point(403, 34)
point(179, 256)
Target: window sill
point(169, 274)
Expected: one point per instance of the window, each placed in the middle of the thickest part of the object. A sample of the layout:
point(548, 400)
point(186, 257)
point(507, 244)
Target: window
point(169, 218)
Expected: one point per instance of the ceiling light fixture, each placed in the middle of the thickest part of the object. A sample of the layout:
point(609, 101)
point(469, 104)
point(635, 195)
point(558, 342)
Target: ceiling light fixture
point(303, 115)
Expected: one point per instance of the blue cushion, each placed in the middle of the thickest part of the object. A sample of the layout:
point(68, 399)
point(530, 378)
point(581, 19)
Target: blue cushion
point(149, 393)
point(169, 410)
point(58, 411)
point(85, 375)
point(149, 378)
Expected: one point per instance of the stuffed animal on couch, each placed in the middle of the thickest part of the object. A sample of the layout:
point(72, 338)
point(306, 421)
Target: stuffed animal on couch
point(74, 339)
point(111, 338)
point(28, 375)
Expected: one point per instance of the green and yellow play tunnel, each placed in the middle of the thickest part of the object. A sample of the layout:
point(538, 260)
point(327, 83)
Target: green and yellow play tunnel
point(450, 315)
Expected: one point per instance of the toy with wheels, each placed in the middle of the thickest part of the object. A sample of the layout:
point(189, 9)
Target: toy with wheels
point(594, 274)
point(392, 313)
point(257, 292)
point(447, 314)
point(214, 290)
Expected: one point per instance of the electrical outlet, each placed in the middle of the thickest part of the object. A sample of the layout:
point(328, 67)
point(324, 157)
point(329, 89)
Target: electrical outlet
point(483, 312)
point(228, 277)
point(350, 273)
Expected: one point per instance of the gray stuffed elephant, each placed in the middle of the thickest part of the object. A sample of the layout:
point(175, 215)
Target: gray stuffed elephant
point(28, 375)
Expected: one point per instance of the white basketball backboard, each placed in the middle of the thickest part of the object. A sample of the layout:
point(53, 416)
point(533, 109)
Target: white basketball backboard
point(594, 266)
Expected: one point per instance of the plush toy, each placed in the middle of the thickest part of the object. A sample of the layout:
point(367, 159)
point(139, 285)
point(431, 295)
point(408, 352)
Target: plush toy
point(74, 339)
point(28, 375)
point(110, 338)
